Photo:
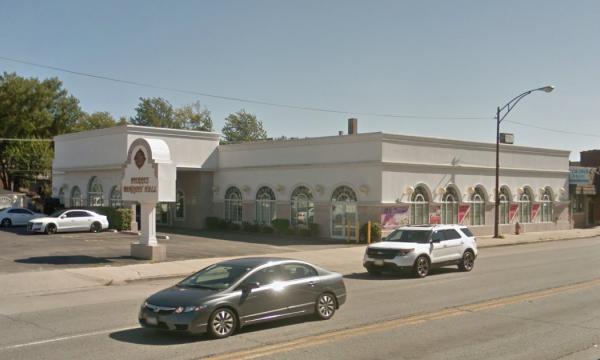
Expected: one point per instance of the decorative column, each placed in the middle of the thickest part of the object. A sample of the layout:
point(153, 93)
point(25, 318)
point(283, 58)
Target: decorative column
point(148, 217)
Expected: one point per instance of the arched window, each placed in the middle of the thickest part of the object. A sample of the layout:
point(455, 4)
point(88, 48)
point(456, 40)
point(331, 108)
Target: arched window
point(95, 192)
point(233, 205)
point(344, 215)
point(265, 205)
point(61, 195)
point(303, 207)
point(525, 206)
point(478, 207)
point(547, 206)
point(419, 207)
point(75, 197)
point(504, 208)
point(115, 197)
point(179, 205)
point(450, 206)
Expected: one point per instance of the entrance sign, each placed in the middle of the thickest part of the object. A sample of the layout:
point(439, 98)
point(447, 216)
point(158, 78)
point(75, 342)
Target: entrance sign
point(149, 177)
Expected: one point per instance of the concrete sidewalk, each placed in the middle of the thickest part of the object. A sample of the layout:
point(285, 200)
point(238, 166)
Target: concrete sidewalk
point(338, 259)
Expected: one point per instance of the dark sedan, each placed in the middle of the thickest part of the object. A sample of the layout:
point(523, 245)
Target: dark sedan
point(225, 296)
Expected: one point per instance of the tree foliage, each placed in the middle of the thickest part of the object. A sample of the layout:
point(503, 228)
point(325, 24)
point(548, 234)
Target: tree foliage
point(30, 108)
point(243, 126)
point(97, 120)
point(158, 112)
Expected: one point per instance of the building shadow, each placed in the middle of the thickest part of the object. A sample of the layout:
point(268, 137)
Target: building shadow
point(142, 336)
point(16, 230)
point(70, 260)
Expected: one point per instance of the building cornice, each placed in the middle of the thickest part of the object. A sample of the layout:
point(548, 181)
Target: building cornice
point(419, 167)
point(142, 131)
point(325, 140)
point(470, 145)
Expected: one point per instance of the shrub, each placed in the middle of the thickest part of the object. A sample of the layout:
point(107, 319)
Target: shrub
point(266, 229)
point(289, 232)
point(314, 229)
point(375, 232)
point(222, 224)
point(234, 226)
point(305, 232)
point(281, 226)
point(212, 223)
point(118, 218)
point(251, 227)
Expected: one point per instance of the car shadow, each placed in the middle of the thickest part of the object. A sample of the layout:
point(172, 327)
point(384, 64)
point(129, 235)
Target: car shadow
point(142, 336)
point(398, 275)
point(16, 230)
point(70, 260)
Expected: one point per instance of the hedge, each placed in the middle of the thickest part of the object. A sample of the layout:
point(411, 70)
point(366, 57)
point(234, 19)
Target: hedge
point(375, 232)
point(118, 218)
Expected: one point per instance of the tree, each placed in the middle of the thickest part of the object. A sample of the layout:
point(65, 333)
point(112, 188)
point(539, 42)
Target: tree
point(26, 160)
point(156, 112)
point(193, 117)
point(30, 108)
point(243, 126)
point(97, 120)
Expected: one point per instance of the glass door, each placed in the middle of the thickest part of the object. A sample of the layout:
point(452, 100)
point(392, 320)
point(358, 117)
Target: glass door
point(344, 220)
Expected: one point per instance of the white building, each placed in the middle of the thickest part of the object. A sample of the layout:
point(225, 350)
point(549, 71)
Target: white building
point(336, 182)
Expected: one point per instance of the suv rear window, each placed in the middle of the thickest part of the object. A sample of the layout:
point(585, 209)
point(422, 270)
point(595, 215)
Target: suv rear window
point(466, 231)
point(451, 234)
point(411, 236)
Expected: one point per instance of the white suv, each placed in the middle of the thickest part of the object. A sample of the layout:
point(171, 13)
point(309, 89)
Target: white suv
point(421, 247)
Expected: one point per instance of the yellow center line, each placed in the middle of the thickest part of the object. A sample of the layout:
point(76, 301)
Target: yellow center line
point(337, 335)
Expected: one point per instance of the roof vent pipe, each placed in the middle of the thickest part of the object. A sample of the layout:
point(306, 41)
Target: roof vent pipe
point(352, 126)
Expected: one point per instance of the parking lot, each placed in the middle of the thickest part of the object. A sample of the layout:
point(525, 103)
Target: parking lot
point(31, 252)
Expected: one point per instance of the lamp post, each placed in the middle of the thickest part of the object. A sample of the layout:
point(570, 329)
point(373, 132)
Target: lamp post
point(501, 113)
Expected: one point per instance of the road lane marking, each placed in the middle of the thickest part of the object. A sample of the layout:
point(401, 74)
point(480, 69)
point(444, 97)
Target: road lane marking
point(337, 335)
point(64, 338)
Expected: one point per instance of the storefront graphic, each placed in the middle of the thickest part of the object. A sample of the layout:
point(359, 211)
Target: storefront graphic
point(435, 214)
point(463, 212)
point(393, 217)
point(535, 209)
point(513, 212)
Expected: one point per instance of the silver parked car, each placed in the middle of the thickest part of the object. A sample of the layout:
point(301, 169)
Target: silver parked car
point(17, 216)
point(225, 296)
point(69, 220)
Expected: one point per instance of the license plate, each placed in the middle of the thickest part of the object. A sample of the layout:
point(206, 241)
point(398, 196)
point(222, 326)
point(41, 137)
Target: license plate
point(378, 262)
point(151, 320)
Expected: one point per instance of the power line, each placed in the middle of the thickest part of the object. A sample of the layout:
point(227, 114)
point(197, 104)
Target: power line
point(243, 100)
point(553, 130)
point(31, 139)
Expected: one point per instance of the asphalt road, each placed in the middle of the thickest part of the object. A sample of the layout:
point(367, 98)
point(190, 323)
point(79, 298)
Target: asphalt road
point(536, 301)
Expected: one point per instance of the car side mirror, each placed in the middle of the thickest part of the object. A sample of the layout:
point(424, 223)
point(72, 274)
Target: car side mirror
point(248, 287)
point(62, 216)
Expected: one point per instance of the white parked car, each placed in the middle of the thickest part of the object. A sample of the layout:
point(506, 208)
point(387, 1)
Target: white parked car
point(419, 248)
point(17, 216)
point(69, 220)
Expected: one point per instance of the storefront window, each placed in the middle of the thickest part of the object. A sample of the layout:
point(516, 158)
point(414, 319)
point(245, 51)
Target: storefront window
point(577, 203)
point(75, 197)
point(450, 206)
point(115, 197)
point(303, 208)
point(265, 205)
point(179, 205)
point(344, 216)
point(162, 213)
point(525, 206)
point(419, 207)
point(547, 206)
point(478, 207)
point(95, 192)
point(61, 195)
point(233, 205)
point(504, 206)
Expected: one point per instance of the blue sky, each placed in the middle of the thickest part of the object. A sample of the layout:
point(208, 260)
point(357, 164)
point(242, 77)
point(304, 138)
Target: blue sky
point(430, 58)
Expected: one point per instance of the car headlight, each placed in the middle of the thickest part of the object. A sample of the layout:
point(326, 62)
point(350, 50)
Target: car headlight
point(186, 309)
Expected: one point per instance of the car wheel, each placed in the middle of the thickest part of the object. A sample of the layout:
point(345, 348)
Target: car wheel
point(222, 323)
point(325, 306)
point(467, 262)
point(96, 227)
point(421, 267)
point(373, 271)
point(50, 229)
point(6, 223)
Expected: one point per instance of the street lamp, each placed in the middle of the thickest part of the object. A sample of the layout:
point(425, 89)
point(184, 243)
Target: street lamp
point(499, 117)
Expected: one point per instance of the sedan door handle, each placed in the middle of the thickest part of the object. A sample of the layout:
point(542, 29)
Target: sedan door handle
point(312, 283)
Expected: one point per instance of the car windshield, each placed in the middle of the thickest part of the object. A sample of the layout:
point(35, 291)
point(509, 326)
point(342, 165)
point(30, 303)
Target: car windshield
point(57, 213)
point(410, 236)
point(216, 277)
